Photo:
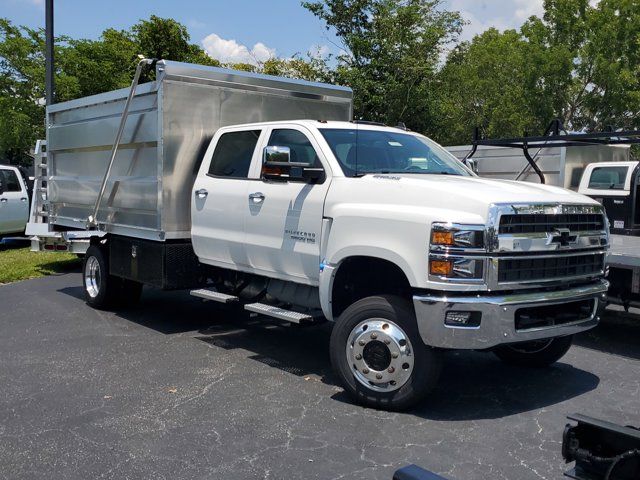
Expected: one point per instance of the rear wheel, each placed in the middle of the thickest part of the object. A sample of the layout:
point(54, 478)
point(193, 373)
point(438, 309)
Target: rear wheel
point(539, 353)
point(378, 355)
point(102, 290)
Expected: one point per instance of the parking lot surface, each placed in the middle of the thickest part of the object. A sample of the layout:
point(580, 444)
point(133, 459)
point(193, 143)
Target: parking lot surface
point(177, 388)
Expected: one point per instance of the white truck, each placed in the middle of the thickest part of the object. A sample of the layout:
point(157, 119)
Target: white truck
point(376, 229)
point(14, 201)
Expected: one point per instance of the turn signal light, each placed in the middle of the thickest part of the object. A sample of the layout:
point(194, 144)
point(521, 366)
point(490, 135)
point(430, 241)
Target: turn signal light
point(441, 267)
point(442, 238)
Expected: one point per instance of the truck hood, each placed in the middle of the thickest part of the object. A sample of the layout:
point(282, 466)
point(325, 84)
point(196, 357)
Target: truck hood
point(472, 195)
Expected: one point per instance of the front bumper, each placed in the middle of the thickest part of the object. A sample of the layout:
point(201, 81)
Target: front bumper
point(498, 316)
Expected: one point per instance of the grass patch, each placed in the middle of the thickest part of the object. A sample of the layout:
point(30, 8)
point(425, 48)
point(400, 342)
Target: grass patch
point(21, 263)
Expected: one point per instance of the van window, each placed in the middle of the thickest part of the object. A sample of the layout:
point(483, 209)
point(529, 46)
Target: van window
point(10, 181)
point(608, 178)
point(233, 153)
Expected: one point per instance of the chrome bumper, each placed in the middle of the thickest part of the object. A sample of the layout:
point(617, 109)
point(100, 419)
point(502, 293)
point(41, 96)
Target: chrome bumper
point(497, 325)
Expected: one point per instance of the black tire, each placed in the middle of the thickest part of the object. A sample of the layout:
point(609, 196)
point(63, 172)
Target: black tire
point(535, 354)
point(426, 361)
point(102, 290)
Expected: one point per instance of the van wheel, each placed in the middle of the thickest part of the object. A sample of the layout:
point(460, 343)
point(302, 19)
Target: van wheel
point(378, 355)
point(540, 353)
point(102, 290)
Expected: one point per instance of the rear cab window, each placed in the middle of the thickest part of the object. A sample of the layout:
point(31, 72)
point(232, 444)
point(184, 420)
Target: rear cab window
point(233, 153)
point(608, 178)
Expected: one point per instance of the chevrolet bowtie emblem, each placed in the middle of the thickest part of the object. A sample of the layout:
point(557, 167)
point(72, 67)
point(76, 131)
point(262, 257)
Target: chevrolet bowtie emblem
point(561, 236)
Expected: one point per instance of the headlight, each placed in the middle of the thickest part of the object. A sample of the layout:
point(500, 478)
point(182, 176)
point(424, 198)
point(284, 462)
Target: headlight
point(457, 236)
point(456, 267)
point(456, 252)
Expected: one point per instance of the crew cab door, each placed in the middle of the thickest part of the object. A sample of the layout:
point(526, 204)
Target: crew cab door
point(285, 217)
point(219, 201)
point(14, 202)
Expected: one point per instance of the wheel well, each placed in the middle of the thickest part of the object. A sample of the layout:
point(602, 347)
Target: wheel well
point(360, 277)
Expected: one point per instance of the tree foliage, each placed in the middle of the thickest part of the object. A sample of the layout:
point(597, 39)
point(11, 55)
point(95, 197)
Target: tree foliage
point(580, 63)
point(390, 54)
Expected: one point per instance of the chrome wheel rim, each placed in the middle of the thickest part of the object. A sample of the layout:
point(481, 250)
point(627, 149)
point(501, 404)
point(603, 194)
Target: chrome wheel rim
point(92, 277)
point(380, 355)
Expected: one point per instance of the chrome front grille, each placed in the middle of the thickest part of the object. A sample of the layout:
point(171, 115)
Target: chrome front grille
point(543, 223)
point(543, 268)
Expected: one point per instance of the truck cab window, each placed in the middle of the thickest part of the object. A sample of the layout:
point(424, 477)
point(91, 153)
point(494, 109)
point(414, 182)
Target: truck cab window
point(233, 153)
point(301, 148)
point(608, 178)
point(10, 181)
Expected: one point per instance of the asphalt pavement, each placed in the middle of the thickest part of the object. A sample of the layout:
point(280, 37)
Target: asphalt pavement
point(177, 388)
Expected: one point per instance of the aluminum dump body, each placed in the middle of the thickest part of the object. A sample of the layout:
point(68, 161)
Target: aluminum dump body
point(170, 124)
point(562, 166)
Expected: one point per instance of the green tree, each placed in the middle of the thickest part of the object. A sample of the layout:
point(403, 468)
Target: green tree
point(580, 63)
point(391, 54)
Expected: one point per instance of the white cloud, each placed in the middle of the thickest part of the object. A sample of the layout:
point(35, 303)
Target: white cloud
point(230, 51)
point(484, 14)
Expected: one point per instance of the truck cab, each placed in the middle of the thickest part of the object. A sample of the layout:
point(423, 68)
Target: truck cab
point(14, 201)
point(615, 185)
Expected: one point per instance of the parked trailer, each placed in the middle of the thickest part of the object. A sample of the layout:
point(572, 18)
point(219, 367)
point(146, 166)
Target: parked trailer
point(599, 165)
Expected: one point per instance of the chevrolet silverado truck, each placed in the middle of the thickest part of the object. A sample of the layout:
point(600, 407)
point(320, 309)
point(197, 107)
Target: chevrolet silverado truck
point(376, 229)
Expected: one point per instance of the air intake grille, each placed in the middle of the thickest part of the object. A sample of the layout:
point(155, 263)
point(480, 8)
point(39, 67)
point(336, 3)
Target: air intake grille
point(542, 223)
point(532, 269)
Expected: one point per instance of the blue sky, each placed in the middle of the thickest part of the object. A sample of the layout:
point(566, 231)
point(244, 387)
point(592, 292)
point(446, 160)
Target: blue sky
point(240, 30)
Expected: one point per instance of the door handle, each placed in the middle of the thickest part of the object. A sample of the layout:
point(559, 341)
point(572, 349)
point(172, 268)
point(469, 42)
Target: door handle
point(257, 197)
point(3, 200)
point(23, 199)
point(202, 193)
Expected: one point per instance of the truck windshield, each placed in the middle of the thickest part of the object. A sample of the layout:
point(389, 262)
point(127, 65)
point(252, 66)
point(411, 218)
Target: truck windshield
point(608, 178)
point(361, 151)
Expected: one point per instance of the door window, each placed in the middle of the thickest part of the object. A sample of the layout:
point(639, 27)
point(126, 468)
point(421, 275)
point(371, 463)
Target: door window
point(10, 181)
point(299, 145)
point(233, 153)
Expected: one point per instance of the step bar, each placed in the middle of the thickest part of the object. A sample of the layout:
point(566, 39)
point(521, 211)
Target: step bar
point(213, 295)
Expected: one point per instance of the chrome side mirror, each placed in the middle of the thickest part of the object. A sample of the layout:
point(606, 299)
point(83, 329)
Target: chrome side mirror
point(275, 156)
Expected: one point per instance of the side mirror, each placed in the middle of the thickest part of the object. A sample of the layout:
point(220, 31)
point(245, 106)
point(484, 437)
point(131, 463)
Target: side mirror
point(274, 156)
point(473, 165)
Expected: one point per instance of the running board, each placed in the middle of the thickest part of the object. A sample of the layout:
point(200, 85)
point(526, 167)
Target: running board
point(280, 313)
point(213, 295)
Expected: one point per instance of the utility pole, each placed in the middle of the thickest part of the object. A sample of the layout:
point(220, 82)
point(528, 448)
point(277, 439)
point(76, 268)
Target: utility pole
point(49, 40)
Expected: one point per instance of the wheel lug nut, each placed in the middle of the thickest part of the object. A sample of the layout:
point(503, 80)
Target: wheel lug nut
point(387, 341)
point(365, 371)
point(394, 354)
point(379, 376)
point(358, 357)
point(361, 343)
point(374, 336)
point(391, 370)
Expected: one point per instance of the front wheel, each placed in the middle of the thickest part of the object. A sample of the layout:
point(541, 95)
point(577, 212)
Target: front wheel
point(539, 353)
point(378, 354)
